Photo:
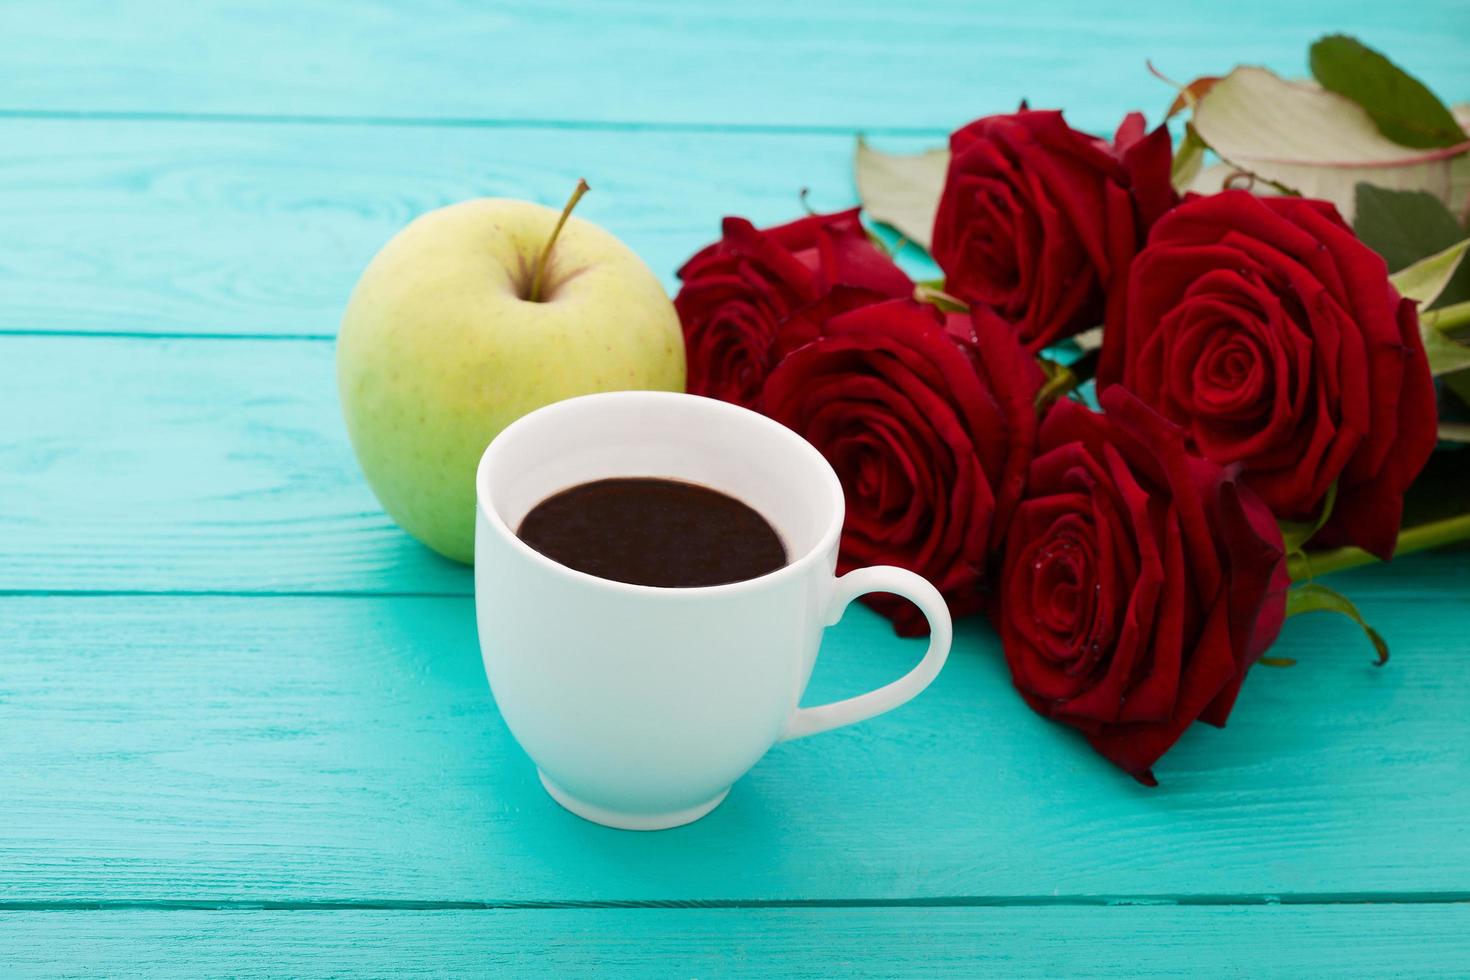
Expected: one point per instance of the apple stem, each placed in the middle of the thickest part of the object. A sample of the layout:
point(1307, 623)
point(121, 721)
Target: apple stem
point(534, 296)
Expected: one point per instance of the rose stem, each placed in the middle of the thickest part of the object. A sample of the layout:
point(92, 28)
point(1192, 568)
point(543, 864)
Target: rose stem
point(1433, 534)
point(534, 295)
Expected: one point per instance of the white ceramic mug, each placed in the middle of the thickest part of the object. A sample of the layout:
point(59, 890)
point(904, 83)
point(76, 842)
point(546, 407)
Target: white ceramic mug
point(641, 705)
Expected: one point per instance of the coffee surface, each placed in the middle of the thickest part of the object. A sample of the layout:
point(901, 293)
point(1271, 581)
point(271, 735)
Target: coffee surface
point(651, 531)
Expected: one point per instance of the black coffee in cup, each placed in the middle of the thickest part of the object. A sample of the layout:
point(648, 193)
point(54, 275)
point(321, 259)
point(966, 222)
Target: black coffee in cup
point(652, 531)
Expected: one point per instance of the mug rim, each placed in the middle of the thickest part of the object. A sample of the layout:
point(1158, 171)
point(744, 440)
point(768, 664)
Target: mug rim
point(825, 543)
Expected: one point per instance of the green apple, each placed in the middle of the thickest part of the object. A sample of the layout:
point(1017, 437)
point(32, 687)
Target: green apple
point(471, 317)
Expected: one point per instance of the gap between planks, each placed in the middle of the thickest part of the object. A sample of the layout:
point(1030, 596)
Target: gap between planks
point(224, 593)
point(162, 335)
point(957, 901)
point(471, 122)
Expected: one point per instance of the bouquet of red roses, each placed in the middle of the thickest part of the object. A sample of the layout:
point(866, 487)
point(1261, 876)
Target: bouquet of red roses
point(1150, 379)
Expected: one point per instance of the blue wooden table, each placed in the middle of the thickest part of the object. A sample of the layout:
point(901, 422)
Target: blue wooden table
point(243, 723)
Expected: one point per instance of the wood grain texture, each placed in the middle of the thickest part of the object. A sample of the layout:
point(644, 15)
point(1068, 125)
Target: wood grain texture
point(833, 63)
point(189, 465)
point(226, 679)
point(192, 464)
point(1419, 941)
point(118, 226)
point(346, 749)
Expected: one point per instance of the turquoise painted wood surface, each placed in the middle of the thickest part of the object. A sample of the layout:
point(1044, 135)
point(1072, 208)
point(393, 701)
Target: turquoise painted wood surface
point(238, 748)
point(246, 228)
point(243, 726)
point(800, 944)
point(832, 64)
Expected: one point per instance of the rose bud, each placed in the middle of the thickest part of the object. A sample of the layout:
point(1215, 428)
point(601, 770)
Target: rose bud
point(738, 294)
point(1268, 331)
point(1140, 582)
point(929, 422)
point(1039, 221)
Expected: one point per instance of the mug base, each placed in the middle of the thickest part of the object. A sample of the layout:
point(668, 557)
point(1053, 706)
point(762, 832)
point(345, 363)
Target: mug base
point(629, 821)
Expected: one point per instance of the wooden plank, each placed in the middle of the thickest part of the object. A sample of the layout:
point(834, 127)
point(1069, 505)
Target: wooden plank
point(834, 63)
point(131, 464)
point(1330, 941)
point(119, 226)
point(167, 748)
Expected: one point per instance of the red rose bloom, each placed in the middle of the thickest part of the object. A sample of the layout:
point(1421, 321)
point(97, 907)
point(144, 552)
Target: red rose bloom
point(1266, 329)
point(929, 422)
point(1039, 222)
point(739, 294)
point(1140, 582)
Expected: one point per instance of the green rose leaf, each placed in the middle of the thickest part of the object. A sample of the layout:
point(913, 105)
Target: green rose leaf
point(1295, 534)
point(1446, 355)
point(932, 291)
point(1407, 226)
point(1189, 160)
point(1402, 107)
point(1426, 279)
point(1458, 384)
point(1454, 431)
point(1316, 143)
point(1403, 226)
point(1316, 597)
point(901, 189)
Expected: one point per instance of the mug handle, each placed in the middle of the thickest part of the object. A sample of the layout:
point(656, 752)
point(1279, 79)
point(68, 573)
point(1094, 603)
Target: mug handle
point(880, 578)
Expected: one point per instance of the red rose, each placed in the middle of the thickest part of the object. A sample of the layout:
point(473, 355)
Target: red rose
point(929, 422)
point(1266, 329)
point(1039, 222)
point(739, 294)
point(1140, 582)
